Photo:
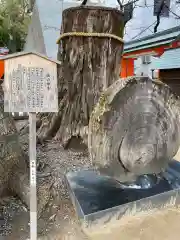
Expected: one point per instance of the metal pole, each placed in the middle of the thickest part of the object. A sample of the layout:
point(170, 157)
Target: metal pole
point(32, 157)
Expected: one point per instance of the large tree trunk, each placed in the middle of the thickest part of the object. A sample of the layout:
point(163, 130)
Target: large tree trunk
point(89, 65)
point(14, 173)
point(134, 129)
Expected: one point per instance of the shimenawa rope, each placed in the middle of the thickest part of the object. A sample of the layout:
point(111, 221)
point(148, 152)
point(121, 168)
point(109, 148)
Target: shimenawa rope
point(84, 34)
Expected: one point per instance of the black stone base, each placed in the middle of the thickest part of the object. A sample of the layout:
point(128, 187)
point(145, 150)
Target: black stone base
point(97, 198)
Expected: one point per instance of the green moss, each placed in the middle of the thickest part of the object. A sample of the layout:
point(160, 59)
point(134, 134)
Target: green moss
point(100, 108)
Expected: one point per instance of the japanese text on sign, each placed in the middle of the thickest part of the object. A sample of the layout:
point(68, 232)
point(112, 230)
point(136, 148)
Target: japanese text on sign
point(31, 89)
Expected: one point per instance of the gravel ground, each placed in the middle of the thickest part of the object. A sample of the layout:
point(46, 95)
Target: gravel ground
point(11, 211)
point(59, 218)
point(58, 221)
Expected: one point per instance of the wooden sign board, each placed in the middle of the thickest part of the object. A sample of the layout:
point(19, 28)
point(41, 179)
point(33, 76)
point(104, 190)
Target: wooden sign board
point(30, 83)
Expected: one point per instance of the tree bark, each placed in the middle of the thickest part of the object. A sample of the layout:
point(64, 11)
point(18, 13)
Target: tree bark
point(14, 173)
point(89, 65)
point(134, 129)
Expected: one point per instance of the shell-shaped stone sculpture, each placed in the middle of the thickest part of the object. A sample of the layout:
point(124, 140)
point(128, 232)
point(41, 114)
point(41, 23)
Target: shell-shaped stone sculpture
point(134, 129)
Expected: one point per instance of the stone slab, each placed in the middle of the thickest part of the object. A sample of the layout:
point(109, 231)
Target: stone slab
point(98, 199)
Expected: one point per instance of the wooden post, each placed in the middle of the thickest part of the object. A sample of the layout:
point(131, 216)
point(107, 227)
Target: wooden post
point(32, 157)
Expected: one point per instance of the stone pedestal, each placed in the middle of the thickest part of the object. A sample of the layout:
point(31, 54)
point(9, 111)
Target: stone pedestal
point(98, 200)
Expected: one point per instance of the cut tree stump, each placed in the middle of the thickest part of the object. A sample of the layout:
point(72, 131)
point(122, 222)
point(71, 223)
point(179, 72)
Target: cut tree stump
point(89, 66)
point(134, 129)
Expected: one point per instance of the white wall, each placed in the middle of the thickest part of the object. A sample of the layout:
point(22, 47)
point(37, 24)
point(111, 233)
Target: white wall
point(142, 68)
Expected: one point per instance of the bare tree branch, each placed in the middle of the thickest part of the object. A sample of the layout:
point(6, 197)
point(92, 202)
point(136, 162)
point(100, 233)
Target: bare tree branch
point(177, 16)
point(126, 14)
point(158, 15)
point(120, 4)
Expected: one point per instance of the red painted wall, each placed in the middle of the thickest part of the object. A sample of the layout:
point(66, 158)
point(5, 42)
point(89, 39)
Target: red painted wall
point(127, 67)
point(1, 68)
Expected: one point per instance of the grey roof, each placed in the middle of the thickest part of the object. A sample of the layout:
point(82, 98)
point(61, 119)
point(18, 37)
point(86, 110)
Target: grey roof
point(169, 60)
point(19, 54)
point(153, 40)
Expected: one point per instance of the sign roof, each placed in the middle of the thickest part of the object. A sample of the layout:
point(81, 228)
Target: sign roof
point(19, 54)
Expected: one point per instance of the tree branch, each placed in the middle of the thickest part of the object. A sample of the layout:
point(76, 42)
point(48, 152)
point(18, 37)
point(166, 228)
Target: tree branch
point(120, 4)
point(158, 16)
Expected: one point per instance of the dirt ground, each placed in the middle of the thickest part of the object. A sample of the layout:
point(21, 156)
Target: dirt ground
point(59, 221)
point(156, 225)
